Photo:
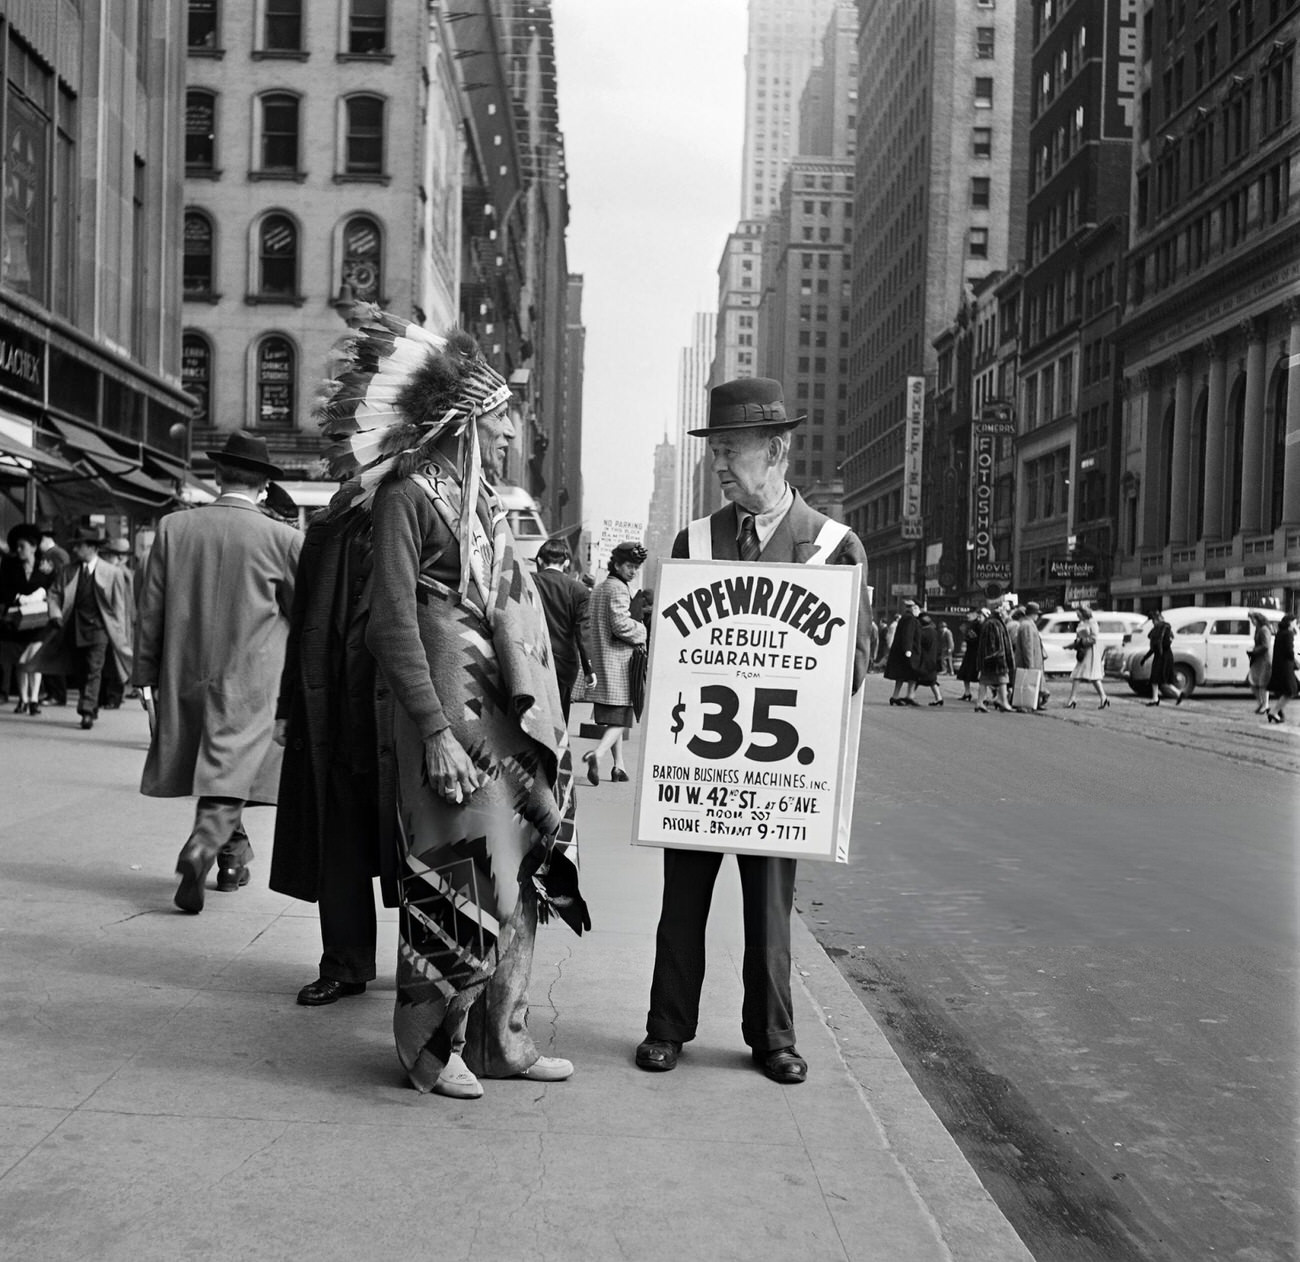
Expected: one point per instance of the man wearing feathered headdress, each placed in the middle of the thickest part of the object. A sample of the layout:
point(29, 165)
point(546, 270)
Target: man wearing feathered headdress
point(484, 802)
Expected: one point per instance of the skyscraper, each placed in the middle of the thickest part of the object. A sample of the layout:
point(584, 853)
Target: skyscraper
point(940, 204)
point(785, 39)
point(692, 413)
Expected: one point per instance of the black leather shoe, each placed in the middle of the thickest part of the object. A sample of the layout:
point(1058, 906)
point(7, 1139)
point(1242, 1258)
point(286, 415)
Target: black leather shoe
point(618, 775)
point(189, 894)
point(87, 723)
point(326, 990)
point(782, 1064)
point(232, 878)
point(658, 1055)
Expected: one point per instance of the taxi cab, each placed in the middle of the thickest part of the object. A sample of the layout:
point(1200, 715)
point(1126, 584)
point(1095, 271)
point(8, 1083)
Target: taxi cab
point(1211, 647)
point(1057, 630)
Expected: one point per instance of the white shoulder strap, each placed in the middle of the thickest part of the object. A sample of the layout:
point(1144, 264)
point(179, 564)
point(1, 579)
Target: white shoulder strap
point(829, 537)
point(699, 539)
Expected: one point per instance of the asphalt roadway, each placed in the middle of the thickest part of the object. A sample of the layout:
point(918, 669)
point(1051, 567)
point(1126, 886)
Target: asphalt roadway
point(1079, 930)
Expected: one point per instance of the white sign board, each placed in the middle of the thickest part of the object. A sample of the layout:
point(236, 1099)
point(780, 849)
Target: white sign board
point(613, 531)
point(749, 734)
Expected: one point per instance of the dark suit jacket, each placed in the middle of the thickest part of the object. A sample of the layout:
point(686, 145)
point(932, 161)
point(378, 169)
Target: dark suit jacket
point(795, 539)
point(564, 600)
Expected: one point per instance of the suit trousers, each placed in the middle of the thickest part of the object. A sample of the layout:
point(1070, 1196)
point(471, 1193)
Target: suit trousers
point(346, 892)
point(767, 889)
point(219, 832)
point(90, 669)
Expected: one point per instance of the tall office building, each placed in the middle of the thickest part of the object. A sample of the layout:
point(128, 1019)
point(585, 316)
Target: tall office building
point(940, 196)
point(692, 413)
point(662, 521)
point(784, 42)
point(1209, 507)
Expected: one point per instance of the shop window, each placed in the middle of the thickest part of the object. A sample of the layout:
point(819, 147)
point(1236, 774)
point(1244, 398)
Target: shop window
point(196, 374)
point(362, 258)
point(276, 363)
point(277, 272)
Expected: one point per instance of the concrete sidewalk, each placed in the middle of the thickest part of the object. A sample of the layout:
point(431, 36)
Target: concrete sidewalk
point(162, 1096)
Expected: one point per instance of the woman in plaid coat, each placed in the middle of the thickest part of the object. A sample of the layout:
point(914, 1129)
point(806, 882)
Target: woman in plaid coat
point(614, 634)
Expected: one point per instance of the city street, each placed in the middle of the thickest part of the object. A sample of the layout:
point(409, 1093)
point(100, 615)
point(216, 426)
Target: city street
point(1079, 932)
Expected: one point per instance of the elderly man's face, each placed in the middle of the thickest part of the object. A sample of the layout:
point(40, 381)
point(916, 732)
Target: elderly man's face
point(495, 432)
point(746, 470)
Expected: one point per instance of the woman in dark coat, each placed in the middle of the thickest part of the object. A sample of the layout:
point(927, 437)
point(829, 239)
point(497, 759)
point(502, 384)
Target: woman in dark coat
point(969, 670)
point(1282, 685)
point(927, 657)
point(23, 573)
point(900, 666)
point(1260, 656)
point(1161, 654)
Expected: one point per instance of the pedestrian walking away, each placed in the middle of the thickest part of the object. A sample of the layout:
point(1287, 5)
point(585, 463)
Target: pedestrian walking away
point(927, 657)
point(969, 670)
point(765, 520)
point(1261, 660)
point(1087, 664)
point(416, 425)
point(1161, 653)
point(946, 646)
point(336, 823)
point(614, 635)
point(900, 665)
point(1282, 685)
point(90, 619)
point(564, 601)
point(213, 619)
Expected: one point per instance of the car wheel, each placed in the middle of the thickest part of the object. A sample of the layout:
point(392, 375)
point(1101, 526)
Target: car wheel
point(1184, 680)
point(1142, 690)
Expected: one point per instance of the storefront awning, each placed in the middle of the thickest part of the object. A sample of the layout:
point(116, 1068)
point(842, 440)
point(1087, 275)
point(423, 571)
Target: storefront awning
point(119, 475)
point(18, 458)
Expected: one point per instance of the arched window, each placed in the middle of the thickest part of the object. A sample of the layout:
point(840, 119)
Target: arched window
point(202, 25)
point(200, 132)
point(1277, 454)
point(196, 374)
point(277, 258)
point(362, 258)
point(363, 148)
point(280, 133)
point(367, 26)
point(276, 367)
point(197, 268)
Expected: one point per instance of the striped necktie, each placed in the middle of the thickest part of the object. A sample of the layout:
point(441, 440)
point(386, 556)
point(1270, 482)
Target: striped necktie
point(749, 546)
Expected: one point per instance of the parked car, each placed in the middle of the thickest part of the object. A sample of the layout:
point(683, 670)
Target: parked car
point(526, 524)
point(1058, 630)
point(1211, 647)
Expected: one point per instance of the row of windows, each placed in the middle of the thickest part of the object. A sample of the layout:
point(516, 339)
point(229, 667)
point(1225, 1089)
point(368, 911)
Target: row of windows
point(282, 28)
point(1047, 486)
point(274, 265)
point(273, 365)
point(1069, 59)
point(1048, 393)
point(277, 141)
point(1059, 147)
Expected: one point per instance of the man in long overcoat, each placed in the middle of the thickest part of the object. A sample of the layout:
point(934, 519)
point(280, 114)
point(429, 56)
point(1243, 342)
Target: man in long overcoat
point(90, 609)
point(214, 614)
point(766, 520)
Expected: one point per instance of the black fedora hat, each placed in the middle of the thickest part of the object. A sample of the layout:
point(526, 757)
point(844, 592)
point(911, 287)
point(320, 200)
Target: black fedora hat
point(88, 534)
point(746, 403)
point(246, 451)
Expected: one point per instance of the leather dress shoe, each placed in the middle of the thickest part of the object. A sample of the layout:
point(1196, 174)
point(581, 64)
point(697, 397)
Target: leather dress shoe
point(232, 878)
point(193, 872)
point(782, 1064)
point(87, 722)
point(326, 990)
point(658, 1055)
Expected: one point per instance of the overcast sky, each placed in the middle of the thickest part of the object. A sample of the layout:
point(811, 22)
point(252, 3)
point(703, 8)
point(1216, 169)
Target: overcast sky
point(652, 107)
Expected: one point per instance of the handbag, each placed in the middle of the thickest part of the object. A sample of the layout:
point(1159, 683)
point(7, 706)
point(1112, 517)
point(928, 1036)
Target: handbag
point(636, 674)
point(32, 611)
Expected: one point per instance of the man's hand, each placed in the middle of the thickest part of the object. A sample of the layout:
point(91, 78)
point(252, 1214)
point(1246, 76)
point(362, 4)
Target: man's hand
point(591, 680)
point(278, 731)
point(451, 772)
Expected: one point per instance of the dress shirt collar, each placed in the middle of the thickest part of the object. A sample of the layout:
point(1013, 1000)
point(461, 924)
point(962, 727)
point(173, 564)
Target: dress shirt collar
point(766, 523)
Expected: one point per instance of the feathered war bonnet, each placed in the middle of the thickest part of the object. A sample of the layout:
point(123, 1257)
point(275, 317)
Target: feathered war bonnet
point(394, 389)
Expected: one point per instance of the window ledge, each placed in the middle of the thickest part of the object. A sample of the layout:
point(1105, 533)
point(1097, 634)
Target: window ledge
point(213, 54)
point(203, 173)
point(345, 178)
point(279, 54)
point(296, 177)
point(206, 295)
point(274, 300)
point(385, 57)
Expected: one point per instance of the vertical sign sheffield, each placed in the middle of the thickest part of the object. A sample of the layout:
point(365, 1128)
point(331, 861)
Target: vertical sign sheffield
point(912, 440)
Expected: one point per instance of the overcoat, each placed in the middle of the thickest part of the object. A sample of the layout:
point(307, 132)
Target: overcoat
point(1161, 653)
point(1282, 681)
point(113, 596)
point(614, 633)
point(898, 665)
point(210, 637)
point(338, 779)
point(1027, 643)
point(794, 539)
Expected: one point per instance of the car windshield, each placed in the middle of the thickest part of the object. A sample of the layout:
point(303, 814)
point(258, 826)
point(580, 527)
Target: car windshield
point(524, 525)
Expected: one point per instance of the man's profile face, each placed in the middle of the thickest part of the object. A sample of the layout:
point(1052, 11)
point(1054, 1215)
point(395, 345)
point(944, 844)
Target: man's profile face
point(494, 434)
point(743, 464)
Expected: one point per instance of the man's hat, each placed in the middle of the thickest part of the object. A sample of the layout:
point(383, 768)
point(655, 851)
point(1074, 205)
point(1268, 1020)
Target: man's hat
point(246, 451)
point(119, 546)
point(746, 403)
point(1032, 607)
point(88, 534)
